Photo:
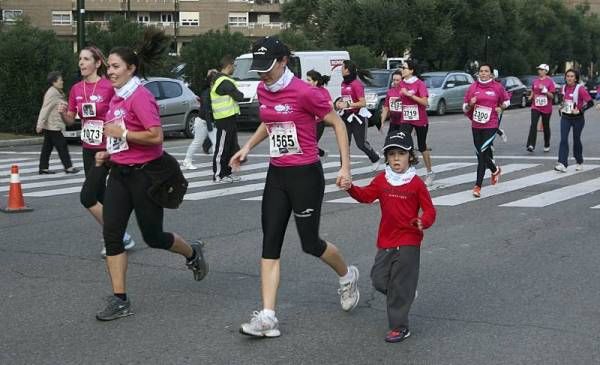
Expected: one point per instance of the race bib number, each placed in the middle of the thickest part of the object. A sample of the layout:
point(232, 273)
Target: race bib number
point(346, 99)
point(92, 132)
point(482, 114)
point(88, 110)
point(568, 107)
point(116, 145)
point(283, 139)
point(410, 112)
point(541, 100)
point(396, 105)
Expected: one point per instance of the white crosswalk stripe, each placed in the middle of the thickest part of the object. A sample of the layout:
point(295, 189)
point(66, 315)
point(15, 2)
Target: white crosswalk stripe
point(516, 178)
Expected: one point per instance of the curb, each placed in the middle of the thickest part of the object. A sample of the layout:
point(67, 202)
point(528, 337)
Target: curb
point(21, 142)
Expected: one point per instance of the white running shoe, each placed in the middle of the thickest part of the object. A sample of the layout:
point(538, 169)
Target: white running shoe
point(128, 242)
point(546, 149)
point(261, 325)
point(227, 179)
point(187, 165)
point(375, 165)
point(579, 167)
point(349, 294)
point(429, 178)
point(560, 167)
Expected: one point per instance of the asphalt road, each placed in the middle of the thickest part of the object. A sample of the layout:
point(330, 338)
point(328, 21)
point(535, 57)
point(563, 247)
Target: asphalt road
point(499, 283)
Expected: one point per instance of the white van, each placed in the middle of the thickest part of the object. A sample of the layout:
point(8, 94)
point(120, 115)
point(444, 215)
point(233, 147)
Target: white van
point(393, 63)
point(325, 62)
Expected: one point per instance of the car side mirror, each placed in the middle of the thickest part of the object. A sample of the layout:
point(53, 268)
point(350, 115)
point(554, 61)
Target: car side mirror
point(450, 85)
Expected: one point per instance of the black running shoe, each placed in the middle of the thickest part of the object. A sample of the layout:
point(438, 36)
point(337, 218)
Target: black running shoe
point(198, 265)
point(115, 309)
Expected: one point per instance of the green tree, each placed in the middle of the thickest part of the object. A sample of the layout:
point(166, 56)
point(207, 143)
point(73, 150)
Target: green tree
point(206, 50)
point(363, 56)
point(27, 55)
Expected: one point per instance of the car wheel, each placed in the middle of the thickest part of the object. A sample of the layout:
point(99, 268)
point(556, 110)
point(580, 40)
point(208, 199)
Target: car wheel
point(523, 101)
point(441, 107)
point(189, 125)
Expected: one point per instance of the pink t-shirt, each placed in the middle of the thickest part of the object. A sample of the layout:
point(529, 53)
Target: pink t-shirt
point(352, 92)
point(394, 104)
point(489, 96)
point(291, 115)
point(583, 97)
point(99, 93)
point(139, 112)
point(413, 112)
point(540, 100)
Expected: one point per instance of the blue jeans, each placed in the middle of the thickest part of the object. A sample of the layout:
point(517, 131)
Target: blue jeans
point(565, 127)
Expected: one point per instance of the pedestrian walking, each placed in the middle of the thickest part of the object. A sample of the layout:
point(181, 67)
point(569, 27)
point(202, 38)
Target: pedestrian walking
point(51, 124)
point(406, 210)
point(484, 101)
point(314, 78)
point(224, 98)
point(353, 104)
point(90, 98)
point(576, 100)
point(203, 124)
point(289, 110)
point(542, 94)
point(143, 178)
point(414, 98)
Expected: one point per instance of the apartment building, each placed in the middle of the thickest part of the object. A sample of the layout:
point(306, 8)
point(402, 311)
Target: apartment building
point(181, 19)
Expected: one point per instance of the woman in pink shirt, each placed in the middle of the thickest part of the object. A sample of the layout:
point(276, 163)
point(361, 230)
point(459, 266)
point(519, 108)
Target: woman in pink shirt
point(392, 106)
point(576, 100)
point(542, 94)
point(135, 145)
point(289, 110)
point(484, 101)
point(90, 98)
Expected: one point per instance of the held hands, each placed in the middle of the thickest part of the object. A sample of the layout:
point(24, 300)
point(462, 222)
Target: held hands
point(113, 130)
point(344, 179)
point(236, 159)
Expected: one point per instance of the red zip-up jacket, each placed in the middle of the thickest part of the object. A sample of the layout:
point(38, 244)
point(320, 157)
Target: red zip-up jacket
point(400, 206)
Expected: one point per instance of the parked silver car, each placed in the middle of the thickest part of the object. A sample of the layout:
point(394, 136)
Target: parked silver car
point(446, 90)
point(178, 105)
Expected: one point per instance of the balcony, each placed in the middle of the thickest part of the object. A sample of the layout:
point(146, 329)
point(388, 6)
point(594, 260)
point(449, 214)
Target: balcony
point(258, 29)
point(152, 5)
point(248, 6)
point(167, 27)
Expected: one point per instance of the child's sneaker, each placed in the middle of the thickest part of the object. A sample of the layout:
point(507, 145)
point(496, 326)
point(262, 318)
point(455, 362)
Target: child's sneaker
point(349, 294)
point(547, 149)
point(579, 167)
point(261, 325)
point(496, 176)
point(397, 335)
point(477, 191)
point(560, 167)
point(187, 165)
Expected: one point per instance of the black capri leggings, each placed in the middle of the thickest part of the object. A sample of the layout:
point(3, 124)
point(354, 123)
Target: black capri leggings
point(421, 134)
point(126, 192)
point(299, 189)
point(93, 188)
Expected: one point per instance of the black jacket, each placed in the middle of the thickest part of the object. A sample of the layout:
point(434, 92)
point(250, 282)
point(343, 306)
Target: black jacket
point(168, 183)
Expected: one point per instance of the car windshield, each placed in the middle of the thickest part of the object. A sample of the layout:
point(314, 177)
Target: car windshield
point(559, 79)
point(379, 79)
point(527, 81)
point(433, 82)
point(242, 65)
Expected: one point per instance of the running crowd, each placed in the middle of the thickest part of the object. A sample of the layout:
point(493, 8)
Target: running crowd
point(127, 170)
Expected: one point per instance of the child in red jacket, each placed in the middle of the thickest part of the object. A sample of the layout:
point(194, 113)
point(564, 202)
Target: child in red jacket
point(402, 194)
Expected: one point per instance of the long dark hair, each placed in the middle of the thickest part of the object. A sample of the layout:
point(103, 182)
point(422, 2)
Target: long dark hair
point(147, 54)
point(575, 72)
point(320, 79)
point(412, 65)
point(97, 55)
point(364, 75)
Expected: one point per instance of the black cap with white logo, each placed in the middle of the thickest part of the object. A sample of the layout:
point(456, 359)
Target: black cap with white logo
point(400, 140)
point(265, 53)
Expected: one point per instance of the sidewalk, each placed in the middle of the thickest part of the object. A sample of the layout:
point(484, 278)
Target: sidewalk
point(10, 140)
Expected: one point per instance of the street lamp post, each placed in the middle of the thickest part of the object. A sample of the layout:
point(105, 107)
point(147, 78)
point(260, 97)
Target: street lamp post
point(80, 25)
point(487, 37)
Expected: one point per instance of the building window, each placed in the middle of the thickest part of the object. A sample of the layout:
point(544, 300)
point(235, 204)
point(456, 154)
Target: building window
point(238, 19)
point(189, 18)
point(61, 18)
point(166, 17)
point(143, 17)
point(11, 16)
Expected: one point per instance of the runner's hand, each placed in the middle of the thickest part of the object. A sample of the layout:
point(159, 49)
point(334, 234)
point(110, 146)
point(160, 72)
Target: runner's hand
point(38, 130)
point(101, 157)
point(498, 110)
point(113, 130)
point(417, 223)
point(344, 179)
point(237, 159)
point(473, 101)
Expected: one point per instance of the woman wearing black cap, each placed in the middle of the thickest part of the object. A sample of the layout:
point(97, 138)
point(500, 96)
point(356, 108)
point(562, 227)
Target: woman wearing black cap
point(289, 110)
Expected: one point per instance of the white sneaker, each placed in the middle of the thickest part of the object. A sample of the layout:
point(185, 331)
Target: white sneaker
point(349, 294)
point(227, 179)
point(560, 167)
point(504, 136)
point(128, 242)
point(261, 325)
point(187, 165)
point(429, 178)
point(579, 167)
point(546, 149)
point(375, 165)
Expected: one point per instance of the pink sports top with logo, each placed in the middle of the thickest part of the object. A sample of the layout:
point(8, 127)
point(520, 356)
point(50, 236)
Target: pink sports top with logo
point(393, 102)
point(81, 97)
point(413, 112)
point(489, 96)
point(539, 100)
point(290, 116)
point(139, 112)
point(352, 92)
point(568, 98)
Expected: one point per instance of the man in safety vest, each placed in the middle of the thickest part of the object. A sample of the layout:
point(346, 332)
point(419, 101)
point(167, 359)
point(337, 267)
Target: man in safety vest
point(224, 96)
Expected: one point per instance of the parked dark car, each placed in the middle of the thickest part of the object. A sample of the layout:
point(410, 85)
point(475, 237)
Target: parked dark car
point(559, 80)
point(376, 92)
point(592, 85)
point(519, 92)
point(527, 80)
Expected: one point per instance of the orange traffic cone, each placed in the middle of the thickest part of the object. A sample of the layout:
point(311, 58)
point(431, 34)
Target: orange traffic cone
point(16, 203)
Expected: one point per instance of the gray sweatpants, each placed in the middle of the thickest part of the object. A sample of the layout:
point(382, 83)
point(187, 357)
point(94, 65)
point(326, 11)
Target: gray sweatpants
point(395, 273)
